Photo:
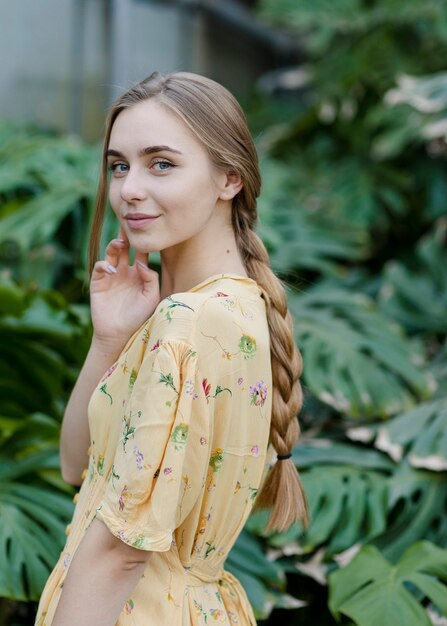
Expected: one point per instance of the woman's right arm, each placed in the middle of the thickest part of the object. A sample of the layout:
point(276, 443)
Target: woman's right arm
point(75, 435)
point(122, 298)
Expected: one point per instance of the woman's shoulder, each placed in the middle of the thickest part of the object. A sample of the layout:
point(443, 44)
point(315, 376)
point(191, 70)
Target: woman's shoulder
point(221, 306)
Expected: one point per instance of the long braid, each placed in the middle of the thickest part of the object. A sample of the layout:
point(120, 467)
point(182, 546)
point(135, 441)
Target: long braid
point(282, 490)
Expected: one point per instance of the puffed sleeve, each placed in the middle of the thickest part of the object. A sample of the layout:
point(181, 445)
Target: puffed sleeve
point(162, 453)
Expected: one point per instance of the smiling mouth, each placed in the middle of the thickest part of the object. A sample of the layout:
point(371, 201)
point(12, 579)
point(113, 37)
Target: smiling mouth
point(139, 220)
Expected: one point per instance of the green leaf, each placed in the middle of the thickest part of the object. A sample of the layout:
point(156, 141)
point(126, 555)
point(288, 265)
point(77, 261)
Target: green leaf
point(371, 591)
point(248, 555)
point(416, 296)
point(355, 359)
point(421, 433)
point(305, 238)
point(416, 508)
point(320, 451)
point(32, 522)
point(11, 297)
point(38, 219)
point(261, 578)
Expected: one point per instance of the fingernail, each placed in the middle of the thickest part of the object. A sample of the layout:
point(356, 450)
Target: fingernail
point(121, 240)
point(111, 269)
point(142, 264)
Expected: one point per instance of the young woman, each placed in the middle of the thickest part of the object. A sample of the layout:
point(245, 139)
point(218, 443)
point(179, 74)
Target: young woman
point(196, 376)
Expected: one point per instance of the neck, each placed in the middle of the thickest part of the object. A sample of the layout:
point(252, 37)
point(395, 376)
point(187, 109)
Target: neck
point(193, 261)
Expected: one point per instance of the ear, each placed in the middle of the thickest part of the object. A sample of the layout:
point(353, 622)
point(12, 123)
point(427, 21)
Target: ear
point(232, 186)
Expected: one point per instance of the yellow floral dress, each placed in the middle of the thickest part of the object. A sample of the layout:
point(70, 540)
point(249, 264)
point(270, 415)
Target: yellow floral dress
point(179, 431)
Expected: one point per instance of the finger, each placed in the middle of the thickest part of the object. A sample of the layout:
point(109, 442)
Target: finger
point(101, 268)
point(122, 234)
point(142, 257)
point(149, 277)
point(117, 253)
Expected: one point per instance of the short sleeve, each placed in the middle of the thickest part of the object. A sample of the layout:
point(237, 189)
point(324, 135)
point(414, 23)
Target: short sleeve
point(162, 453)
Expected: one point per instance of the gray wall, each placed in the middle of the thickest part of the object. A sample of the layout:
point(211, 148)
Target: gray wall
point(38, 63)
point(63, 75)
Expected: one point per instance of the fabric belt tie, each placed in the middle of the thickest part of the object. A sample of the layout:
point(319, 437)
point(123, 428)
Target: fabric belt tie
point(195, 578)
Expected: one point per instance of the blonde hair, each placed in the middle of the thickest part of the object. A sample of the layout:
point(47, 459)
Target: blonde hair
point(217, 120)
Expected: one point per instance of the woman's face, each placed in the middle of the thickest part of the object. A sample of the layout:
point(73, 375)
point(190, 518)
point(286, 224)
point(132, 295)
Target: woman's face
point(163, 188)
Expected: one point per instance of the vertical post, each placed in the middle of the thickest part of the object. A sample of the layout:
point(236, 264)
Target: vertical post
point(77, 64)
point(119, 47)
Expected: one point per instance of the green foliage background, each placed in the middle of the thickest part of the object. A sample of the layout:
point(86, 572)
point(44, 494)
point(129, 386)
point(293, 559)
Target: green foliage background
point(353, 210)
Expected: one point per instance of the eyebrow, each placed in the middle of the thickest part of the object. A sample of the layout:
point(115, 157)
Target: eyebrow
point(144, 151)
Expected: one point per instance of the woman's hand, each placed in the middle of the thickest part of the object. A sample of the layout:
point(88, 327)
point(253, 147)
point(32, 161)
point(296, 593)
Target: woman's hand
point(122, 296)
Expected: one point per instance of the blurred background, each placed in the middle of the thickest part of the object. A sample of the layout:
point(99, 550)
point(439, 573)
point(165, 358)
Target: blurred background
point(347, 102)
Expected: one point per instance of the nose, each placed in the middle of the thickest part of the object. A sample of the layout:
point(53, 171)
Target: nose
point(132, 187)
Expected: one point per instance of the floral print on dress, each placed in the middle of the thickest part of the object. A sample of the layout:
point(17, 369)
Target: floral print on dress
point(255, 450)
point(216, 459)
point(103, 389)
point(218, 615)
point(139, 458)
point(258, 393)
point(129, 607)
point(167, 379)
point(113, 476)
point(132, 379)
point(124, 496)
point(247, 345)
point(100, 465)
point(207, 390)
point(171, 305)
point(156, 346)
point(179, 436)
point(109, 372)
point(128, 427)
point(190, 390)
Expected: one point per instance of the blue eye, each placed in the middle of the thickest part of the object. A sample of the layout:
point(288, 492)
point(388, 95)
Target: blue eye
point(163, 166)
point(118, 168)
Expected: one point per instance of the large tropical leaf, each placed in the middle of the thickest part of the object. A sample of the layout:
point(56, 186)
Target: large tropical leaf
point(33, 516)
point(372, 591)
point(32, 533)
point(347, 490)
point(418, 113)
point(421, 433)
point(416, 510)
point(47, 189)
point(355, 359)
point(264, 580)
point(36, 221)
point(416, 295)
point(357, 43)
point(296, 229)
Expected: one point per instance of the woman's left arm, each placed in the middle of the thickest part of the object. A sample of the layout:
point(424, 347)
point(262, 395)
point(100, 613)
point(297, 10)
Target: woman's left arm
point(100, 580)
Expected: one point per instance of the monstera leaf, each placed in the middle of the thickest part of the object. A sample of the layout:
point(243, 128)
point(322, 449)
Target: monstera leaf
point(372, 591)
point(417, 297)
point(425, 99)
point(47, 190)
point(347, 490)
point(356, 360)
point(421, 433)
point(263, 580)
point(41, 338)
point(416, 508)
point(304, 238)
point(32, 525)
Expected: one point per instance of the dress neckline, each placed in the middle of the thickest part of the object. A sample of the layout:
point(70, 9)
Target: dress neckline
point(216, 277)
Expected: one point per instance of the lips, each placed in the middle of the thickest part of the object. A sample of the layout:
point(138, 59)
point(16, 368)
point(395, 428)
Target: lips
point(139, 220)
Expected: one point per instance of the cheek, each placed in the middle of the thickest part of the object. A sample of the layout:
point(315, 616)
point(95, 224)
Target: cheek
point(114, 196)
